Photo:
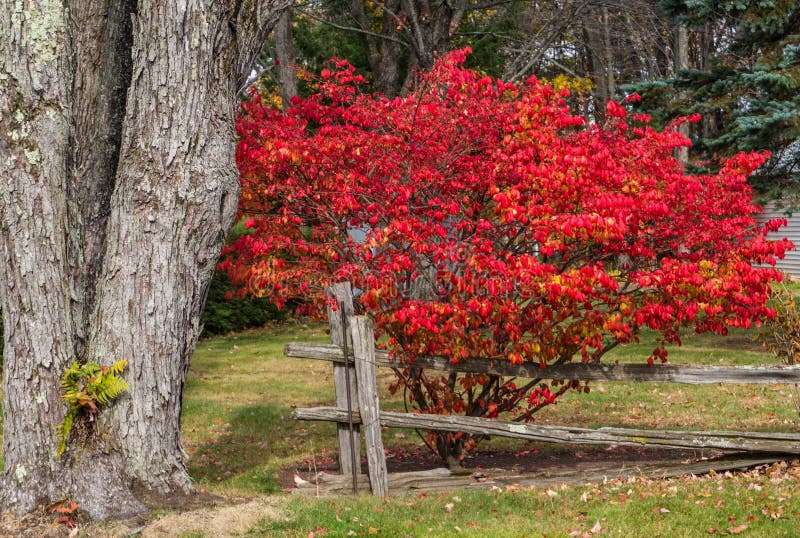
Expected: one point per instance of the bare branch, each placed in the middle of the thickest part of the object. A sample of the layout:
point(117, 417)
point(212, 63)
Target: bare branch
point(350, 28)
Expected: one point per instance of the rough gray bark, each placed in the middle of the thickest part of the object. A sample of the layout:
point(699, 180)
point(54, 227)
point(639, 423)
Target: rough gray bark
point(431, 24)
point(103, 45)
point(408, 34)
point(35, 125)
point(609, 54)
point(385, 51)
point(596, 50)
point(118, 187)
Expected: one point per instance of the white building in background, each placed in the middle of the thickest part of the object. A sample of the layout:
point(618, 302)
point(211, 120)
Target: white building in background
point(791, 263)
point(789, 210)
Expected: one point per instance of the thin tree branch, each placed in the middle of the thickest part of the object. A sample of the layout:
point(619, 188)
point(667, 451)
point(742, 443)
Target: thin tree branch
point(351, 28)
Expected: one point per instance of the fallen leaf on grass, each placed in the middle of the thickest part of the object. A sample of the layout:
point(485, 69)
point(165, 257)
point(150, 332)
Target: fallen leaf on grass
point(587, 534)
point(738, 529)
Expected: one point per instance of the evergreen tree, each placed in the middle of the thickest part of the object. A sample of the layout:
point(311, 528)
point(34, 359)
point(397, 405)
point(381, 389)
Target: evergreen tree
point(746, 85)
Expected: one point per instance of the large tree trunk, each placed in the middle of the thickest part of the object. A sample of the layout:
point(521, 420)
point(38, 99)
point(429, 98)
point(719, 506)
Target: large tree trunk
point(119, 185)
point(419, 27)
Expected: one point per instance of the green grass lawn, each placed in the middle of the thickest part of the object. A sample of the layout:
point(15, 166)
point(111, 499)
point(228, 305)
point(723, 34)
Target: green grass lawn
point(239, 397)
point(758, 504)
point(239, 436)
point(677, 406)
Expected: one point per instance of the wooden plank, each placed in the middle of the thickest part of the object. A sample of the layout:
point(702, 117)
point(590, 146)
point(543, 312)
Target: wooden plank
point(786, 443)
point(437, 480)
point(328, 485)
point(369, 404)
point(670, 373)
point(349, 445)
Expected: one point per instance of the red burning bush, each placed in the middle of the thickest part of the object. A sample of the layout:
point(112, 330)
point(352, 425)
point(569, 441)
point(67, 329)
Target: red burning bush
point(482, 219)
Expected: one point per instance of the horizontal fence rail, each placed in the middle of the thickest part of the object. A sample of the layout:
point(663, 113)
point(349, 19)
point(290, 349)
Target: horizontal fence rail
point(441, 480)
point(786, 443)
point(665, 373)
point(354, 358)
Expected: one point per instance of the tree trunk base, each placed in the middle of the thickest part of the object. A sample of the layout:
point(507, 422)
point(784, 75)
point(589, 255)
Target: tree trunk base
point(101, 491)
point(96, 483)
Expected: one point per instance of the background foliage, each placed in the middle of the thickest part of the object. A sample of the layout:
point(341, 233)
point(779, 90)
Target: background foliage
point(223, 315)
point(746, 85)
point(227, 311)
point(734, 61)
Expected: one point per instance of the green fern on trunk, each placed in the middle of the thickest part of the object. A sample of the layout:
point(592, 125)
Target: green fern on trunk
point(87, 388)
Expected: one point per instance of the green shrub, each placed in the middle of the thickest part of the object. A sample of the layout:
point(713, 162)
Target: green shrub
point(222, 316)
point(782, 334)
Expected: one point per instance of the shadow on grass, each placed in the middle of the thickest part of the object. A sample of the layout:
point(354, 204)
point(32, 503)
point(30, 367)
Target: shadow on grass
point(246, 446)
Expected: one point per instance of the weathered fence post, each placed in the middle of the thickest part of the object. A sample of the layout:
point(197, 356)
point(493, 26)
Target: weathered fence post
point(348, 452)
point(369, 405)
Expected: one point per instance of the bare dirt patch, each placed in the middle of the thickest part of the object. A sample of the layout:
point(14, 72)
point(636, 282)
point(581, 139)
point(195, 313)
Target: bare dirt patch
point(220, 522)
point(511, 462)
point(211, 521)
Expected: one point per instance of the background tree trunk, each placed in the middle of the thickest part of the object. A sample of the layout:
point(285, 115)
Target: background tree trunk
point(104, 261)
point(287, 59)
point(384, 54)
point(681, 64)
point(597, 55)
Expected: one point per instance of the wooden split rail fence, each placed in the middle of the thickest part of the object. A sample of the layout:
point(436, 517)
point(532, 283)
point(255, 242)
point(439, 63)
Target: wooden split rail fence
point(355, 358)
